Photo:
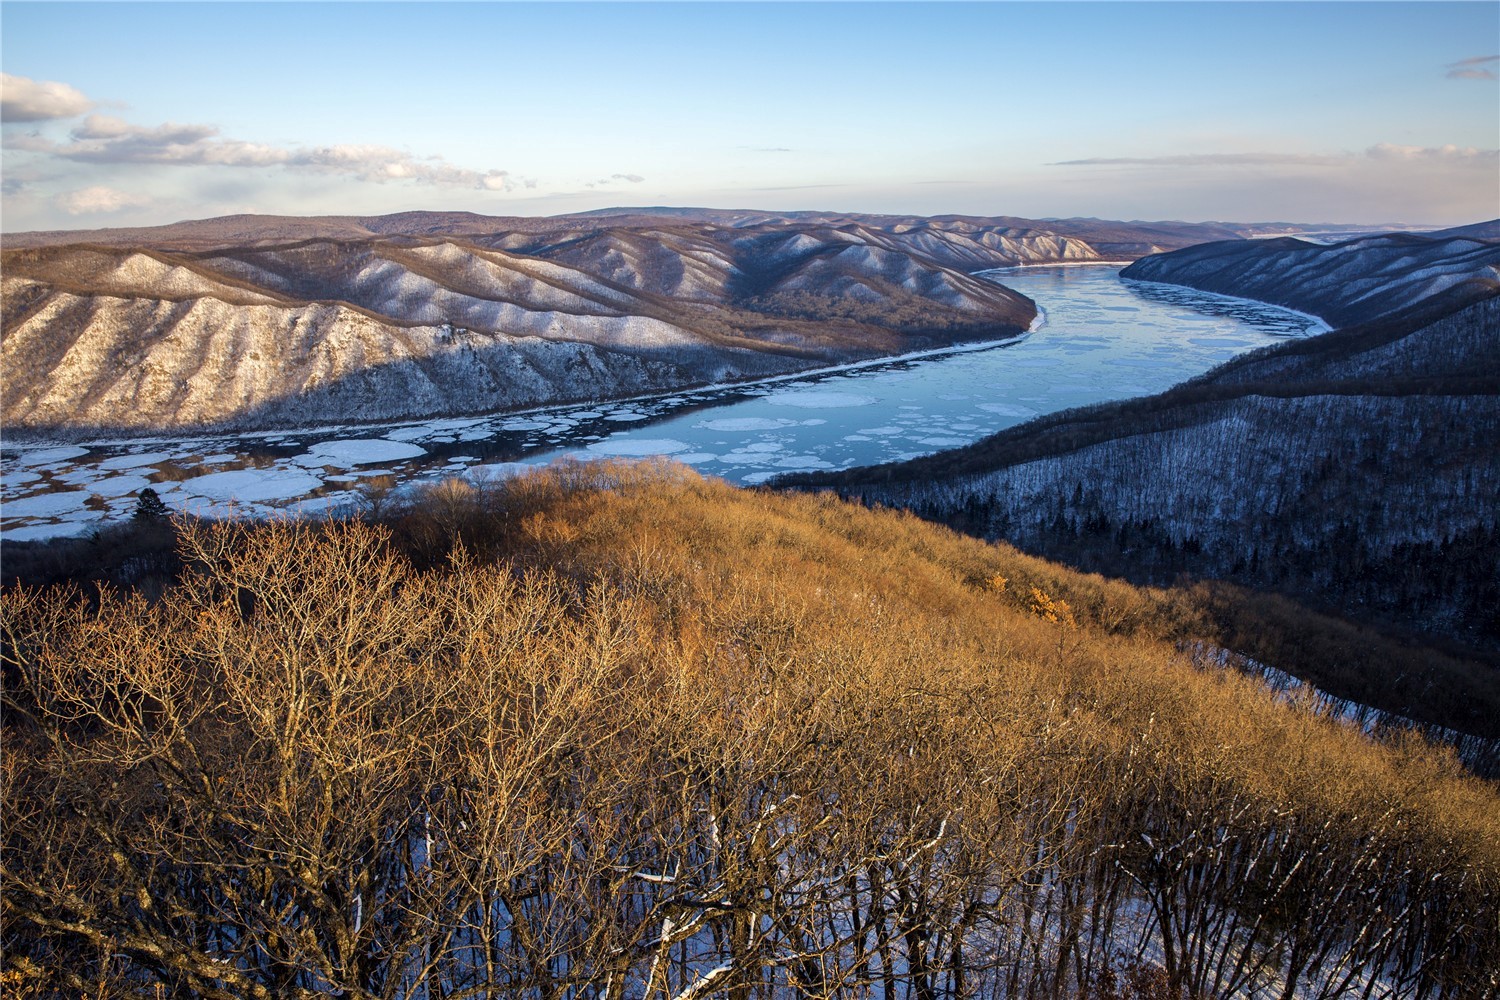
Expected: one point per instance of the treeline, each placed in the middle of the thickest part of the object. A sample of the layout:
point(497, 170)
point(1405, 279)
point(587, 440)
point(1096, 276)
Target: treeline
point(614, 731)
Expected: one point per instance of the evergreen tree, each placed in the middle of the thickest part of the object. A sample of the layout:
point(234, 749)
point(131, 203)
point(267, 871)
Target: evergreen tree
point(149, 508)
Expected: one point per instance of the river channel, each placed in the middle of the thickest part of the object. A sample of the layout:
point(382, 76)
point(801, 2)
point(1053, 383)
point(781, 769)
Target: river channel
point(1102, 338)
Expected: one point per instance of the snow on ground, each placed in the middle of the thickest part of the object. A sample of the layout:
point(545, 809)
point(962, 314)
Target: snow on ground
point(362, 451)
point(814, 400)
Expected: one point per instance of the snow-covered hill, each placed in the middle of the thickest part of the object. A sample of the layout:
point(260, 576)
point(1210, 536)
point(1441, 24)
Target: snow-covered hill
point(1355, 281)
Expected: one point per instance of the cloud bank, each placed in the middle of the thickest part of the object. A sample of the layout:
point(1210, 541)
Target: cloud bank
point(101, 139)
point(26, 100)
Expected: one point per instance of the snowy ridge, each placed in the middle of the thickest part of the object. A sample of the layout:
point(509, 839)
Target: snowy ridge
point(1355, 281)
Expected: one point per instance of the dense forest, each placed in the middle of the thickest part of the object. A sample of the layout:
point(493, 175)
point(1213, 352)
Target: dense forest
point(618, 731)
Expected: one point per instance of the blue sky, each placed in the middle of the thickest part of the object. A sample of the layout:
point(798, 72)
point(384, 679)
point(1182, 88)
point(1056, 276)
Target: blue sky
point(132, 114)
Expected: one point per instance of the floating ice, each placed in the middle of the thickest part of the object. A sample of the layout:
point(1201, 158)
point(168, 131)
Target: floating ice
point(46, 504)
point(13, 479)
point(1008, 409)
point(625, 416)
point(42, 532)
point(746, 424)
point(803, 462)
point(48, 455)
point(820, 400)
point(755, 478)
point(252, 485)
point(325, 503)
point(136, 461)
point(638, 447)
point(525, 425)
point(119, 486)
point(942, 442)
point(363, 451)
point(696, 457)
point(500, 470)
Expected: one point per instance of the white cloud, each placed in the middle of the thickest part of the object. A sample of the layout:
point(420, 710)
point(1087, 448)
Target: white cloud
point(382, 163)
point(98, 199)
point(107, 140)
point(25, 100)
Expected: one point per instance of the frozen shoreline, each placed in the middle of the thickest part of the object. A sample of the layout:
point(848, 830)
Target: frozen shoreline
point(1320, 325)
point(383, 425)
point(1039, 322)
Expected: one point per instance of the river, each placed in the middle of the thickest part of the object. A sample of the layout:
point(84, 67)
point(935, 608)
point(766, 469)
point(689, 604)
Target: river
point(1101, 339)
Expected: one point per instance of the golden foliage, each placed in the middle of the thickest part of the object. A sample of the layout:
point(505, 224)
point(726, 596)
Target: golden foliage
point(613, 727)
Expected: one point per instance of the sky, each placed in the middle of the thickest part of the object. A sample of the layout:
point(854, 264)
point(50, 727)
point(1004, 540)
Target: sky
point(125, 114)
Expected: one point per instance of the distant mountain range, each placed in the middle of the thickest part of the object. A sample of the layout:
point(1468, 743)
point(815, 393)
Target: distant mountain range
point(252, 322)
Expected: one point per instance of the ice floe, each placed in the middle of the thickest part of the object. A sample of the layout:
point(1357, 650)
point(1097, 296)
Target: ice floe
point(46, 504)
point(47, 456)
point(363, 451)
point(735, 424)
point(252, 485)
point(136, 461)
point(638, 447)
point(814, 400)
point(42, 532)
point(1008, 409)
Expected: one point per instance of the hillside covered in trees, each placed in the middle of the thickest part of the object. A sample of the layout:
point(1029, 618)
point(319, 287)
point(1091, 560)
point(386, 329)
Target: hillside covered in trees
point(618, 731)
point(1356, 470)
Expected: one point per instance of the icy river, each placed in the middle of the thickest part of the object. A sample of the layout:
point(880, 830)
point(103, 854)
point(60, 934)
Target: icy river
point(1102, 338)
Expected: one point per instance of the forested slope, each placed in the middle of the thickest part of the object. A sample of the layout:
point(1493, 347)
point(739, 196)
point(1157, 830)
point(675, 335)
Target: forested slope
point(613, 731)
point(1356, 470)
